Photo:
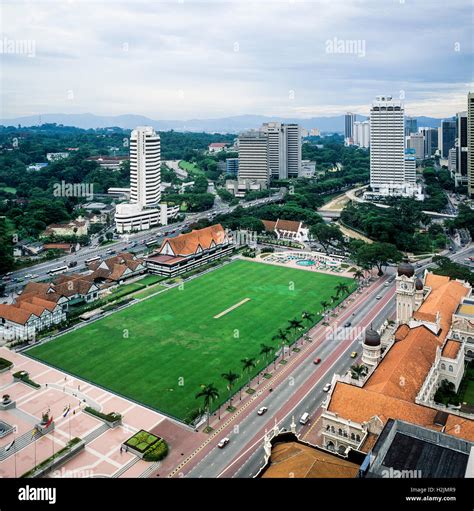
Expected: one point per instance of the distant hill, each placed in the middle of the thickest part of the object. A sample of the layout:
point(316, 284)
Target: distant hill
point(234, 124)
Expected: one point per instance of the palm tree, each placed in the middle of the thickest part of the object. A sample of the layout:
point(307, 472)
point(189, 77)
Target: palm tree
point(358, 370)
point(342, 288)
point(231, 378)
point(358, 275)
point(325, 306)
point(265, 350)
point(283, 337)
point(295, 324)
point(247, 365)
point(307, 316)
point(210, 394)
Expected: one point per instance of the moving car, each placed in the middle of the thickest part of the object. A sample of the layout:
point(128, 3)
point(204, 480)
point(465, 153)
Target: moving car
point(316, 361)
point(223, 443)
point(378, 297)
point(327, 387)
point(348, 324)
point(304, 418)
point(354, 354)
point(262, 410)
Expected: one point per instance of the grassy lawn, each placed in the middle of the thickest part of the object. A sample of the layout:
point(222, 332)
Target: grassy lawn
point(8, 189)
point(466, 389)
point(160, 351)
point(191, 168)
point(149, 291)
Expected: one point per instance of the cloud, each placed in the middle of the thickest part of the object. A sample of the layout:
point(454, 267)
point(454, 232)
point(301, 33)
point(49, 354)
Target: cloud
point(172, 59)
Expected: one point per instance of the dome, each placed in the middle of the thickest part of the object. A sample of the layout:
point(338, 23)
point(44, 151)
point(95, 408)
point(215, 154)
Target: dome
point(419, 284)
point(406, 269)
point(372, 337)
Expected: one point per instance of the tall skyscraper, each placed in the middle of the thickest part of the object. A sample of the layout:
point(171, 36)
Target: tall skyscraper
point(446, 136)
point(253, 157)
point(145, 166)
point(470, 144)
point(144, 209)
point(293, 149)
point(460, 176)
point(411, 126)
point(387, 145)
point(284, 149)
point(416, 141)
point(349, 120)
point(362, 133)
point(431, 141)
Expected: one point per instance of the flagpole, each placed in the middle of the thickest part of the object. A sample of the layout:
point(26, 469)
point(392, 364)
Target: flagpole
point(14, 454)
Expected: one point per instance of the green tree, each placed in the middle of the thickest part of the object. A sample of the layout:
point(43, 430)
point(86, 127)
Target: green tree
point(230, 378)
point(210, 394)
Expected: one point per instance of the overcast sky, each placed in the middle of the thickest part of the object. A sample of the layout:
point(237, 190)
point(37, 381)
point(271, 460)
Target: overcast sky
point(185, 59)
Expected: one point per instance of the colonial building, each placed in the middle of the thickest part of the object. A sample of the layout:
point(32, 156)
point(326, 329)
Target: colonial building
point(78, 227)
point(186, 251)
point(428, 343)
point(115, 270)
point(287, 229)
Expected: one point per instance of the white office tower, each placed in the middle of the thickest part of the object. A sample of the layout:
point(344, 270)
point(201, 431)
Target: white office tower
point(276, 149)
point(145, 164)
point(416, 141)
point(387, 146)
point(452, 162)
point(284, 149)
point(144, 209)
point(362, 133)
point(253, 157)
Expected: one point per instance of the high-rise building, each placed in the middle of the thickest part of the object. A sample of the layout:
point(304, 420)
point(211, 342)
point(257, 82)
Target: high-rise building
point(411, 125)
point(293, 149)
point(284, 149)
point(452, 162)
point(387, 146)
point(431, 141)
point(144, 209)
point(447, 136)
point(349, 120)
point(460, 175)
point(145, 165)
point(470, 144)
point(254, 157)
point(232, 166)
point(362, 133)
point(416, 141)
point(410, 166)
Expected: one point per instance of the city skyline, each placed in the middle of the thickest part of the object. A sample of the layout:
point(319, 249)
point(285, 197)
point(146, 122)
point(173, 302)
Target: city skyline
point(237, 65)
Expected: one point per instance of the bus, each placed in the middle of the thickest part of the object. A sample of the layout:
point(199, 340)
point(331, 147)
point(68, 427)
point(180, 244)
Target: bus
point(55, 271)
point(151, 243)
point(92, 260)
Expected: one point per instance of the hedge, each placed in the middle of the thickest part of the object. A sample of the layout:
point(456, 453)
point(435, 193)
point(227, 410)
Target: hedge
point(157, 452)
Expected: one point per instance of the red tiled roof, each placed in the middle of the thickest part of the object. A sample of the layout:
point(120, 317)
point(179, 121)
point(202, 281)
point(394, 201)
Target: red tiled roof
point(187, 244)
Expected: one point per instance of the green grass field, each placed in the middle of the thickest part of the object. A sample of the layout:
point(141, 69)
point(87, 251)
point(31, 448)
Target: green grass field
point(160, 351)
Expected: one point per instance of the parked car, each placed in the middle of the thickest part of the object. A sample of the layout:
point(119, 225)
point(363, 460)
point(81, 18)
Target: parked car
point(348, 324)
point(327, 387)
point(316, 361)
point(262, 410)
point(354, 354)
point(223, 443)
point(378, 297)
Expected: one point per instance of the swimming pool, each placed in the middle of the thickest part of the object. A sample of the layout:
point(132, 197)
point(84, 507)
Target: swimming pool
point(305, 262)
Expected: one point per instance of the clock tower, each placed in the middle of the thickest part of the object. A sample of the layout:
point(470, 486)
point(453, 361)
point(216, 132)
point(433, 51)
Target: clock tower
point(405, 292)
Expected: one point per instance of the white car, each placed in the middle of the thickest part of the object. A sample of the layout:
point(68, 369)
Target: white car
point(223, 443)
point(378, 297)
point(262, 410)
point(327, 387)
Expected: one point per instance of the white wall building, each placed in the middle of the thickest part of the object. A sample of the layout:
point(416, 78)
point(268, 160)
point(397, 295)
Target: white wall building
point(361, 131)
point(254, 157)
point(284, 149)
point(144, 209)
point(387, 147)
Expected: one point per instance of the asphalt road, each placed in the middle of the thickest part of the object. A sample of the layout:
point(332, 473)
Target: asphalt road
point(301, 390)
point(124, 244)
